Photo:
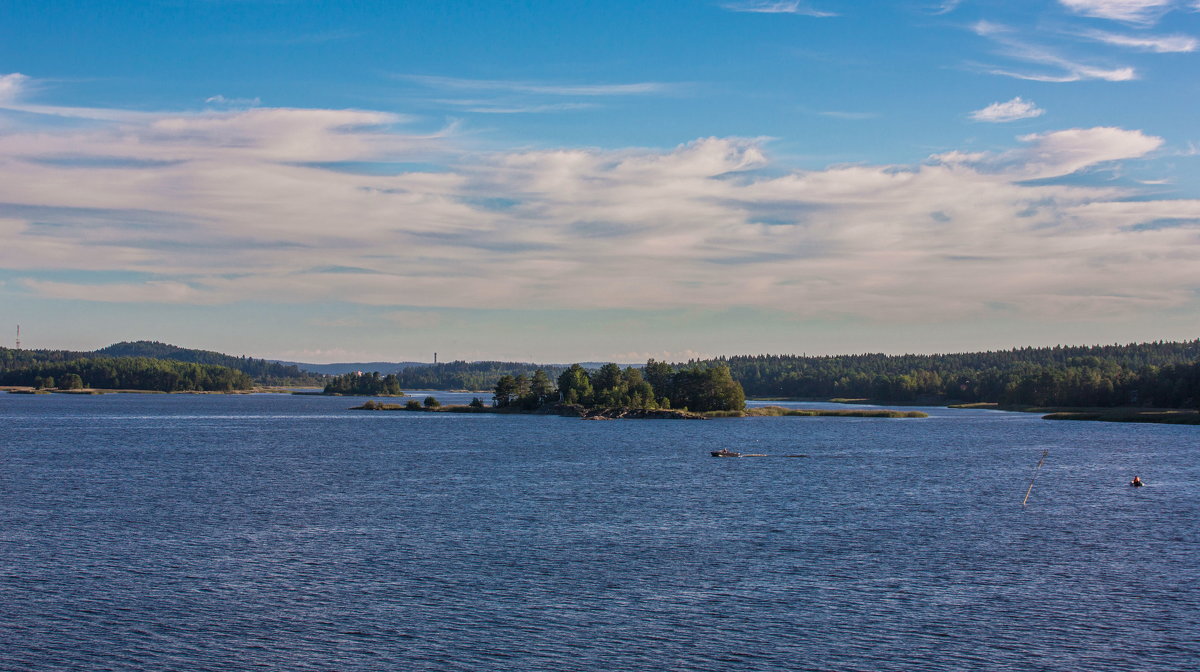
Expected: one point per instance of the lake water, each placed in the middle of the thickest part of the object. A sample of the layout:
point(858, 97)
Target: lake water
point(274, 532)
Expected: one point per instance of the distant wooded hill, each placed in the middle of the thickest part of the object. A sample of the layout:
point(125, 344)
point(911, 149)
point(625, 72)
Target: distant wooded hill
point(263, 371)
point(141, 365)
point(339, 368)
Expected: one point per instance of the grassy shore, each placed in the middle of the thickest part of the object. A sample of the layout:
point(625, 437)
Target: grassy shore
point(779, 411)
point(1165, 417)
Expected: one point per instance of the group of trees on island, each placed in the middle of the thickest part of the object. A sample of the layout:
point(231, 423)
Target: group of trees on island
point(658, 385)
point(364, 384)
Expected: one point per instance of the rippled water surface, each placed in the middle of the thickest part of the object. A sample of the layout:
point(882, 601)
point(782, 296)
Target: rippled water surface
point(155, 532)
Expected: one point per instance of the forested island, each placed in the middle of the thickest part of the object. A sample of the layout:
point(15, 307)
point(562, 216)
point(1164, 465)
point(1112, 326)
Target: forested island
point(364, 384)
point(610, 392)
point(698, 388)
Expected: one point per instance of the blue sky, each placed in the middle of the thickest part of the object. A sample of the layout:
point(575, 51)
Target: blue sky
point(560, 181)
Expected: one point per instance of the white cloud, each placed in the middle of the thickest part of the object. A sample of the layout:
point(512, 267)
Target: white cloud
point(1130, 11)
point(986, 28)
point(1069, 151)
point(1160, 44)
point(11, 86)
point(1015, 109)
point(777, 7)
point(233, 206)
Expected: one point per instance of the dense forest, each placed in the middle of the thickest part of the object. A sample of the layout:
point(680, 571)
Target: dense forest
point(15, 359)
point(697, 388)
point(364, 384)
point(1149, 374)
point(258, 370)
point(132, 373)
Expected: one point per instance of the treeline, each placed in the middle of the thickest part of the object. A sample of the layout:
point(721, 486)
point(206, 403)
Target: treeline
point(1148, 374)
point(459, 375)
point(261, 370)
point(697, 388)
point(364, 384)
point(132, 373)
point(16, 359)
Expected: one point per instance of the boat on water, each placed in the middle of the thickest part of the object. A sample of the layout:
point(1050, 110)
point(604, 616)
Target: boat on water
point(1136, 482)
point(725, 452)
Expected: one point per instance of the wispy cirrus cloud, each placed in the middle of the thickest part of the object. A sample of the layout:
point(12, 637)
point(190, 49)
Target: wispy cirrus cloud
point(495, 108)
point(1129, 11)
point(1065, 69)
point(1159, 44)
point(946, 6)
point(1012, 110)
point(849, 116)
point(777, 7)
point(543, 88)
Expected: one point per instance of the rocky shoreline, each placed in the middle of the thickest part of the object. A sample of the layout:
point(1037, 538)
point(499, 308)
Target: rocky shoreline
point(564, 410)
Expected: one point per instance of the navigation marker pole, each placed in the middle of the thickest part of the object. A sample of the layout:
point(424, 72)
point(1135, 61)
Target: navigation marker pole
point(1035, 475)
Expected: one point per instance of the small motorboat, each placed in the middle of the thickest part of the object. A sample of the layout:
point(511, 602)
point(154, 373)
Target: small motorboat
point(725, 452)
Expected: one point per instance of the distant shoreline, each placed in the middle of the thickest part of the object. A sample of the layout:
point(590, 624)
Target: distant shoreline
point(1134, 414)
point(25, 389)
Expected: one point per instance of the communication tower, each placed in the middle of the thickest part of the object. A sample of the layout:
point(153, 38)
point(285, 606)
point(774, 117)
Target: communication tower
point(18, 337)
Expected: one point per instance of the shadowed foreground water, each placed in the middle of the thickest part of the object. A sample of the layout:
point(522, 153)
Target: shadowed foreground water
point(150, 532)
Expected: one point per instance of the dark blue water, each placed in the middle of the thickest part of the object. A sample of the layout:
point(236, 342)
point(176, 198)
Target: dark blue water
point(155, 532)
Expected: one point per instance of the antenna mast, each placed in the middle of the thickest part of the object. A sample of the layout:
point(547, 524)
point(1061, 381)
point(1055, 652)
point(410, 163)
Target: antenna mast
point(18, 337)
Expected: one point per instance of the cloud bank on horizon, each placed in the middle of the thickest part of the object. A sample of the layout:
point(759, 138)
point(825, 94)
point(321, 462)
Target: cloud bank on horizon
point(231, 202)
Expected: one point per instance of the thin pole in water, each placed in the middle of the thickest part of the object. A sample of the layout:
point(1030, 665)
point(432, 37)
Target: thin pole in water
point(1035, 475)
